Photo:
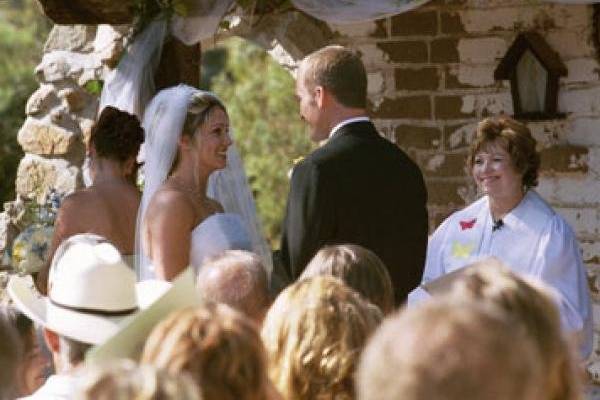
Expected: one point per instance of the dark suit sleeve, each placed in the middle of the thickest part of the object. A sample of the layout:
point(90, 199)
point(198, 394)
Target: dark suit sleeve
point(309, 220)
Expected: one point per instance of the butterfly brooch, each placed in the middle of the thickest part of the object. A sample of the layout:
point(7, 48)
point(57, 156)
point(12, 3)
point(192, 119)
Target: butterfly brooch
point(463, 251)
point(467, 224)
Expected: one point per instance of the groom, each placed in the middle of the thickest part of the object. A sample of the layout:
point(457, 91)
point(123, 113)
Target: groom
point(357, 188)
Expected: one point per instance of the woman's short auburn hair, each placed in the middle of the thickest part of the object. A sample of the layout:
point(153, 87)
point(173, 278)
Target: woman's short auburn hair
point(518, 142)
point(359, 268)
point(314, 334)
point(219, 347)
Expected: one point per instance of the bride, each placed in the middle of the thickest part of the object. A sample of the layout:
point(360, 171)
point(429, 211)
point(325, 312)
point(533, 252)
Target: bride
point(187, 139)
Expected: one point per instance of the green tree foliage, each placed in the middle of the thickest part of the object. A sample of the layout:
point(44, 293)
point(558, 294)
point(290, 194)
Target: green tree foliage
point(23, 29)
point(259, 95)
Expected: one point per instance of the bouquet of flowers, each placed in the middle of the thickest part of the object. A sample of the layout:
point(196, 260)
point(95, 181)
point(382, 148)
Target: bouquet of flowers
point(30, 248)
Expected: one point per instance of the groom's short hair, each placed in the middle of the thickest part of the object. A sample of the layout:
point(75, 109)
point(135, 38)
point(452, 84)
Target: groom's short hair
point(236, 278)
point(340, 71)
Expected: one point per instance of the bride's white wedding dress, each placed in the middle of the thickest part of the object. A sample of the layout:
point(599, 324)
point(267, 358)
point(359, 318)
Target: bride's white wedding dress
point(217, 233)
point(236, 229)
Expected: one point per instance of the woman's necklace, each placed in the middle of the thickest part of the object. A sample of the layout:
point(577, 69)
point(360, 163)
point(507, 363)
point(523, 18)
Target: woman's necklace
point(199, 196)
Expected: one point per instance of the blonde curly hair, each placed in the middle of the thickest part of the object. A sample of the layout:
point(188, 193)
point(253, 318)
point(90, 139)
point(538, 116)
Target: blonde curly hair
point(218, 346)
point(314, 333)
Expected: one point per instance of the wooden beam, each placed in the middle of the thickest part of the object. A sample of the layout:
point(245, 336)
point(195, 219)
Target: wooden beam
point(89, 12)
point(178, 64)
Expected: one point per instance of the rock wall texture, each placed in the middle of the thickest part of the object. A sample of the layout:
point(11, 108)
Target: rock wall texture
point(60, 114)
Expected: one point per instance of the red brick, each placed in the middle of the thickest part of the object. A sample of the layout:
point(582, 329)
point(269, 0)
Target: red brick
point(453, 166)
point(451, 81)
point(445, 193)
point(418, 107)
point(444, 51)
point(406, 52)
point(425, 78)
point(464, 142)
point(451, 23)
point(418, 137)
point(558, 159)
point(449, 107)
point(381, 30)
point(415, 23)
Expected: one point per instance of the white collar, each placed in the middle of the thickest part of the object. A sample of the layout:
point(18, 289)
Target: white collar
point(346, 122)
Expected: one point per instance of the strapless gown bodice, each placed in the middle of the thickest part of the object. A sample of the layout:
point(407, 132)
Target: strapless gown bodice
point(217, 233)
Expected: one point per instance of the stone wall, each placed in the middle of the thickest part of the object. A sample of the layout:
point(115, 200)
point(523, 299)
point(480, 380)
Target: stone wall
point(431, 78)
point(60, 114)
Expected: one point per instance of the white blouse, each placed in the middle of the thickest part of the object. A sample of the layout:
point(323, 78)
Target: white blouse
point(533, 240)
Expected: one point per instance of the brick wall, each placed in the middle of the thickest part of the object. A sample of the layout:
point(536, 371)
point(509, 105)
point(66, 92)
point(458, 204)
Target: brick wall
point(431, 80)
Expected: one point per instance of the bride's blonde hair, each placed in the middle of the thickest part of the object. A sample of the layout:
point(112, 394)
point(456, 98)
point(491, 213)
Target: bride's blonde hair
point(198, 110)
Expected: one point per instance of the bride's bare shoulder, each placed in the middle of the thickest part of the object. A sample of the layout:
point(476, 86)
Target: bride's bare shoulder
point(171, 203)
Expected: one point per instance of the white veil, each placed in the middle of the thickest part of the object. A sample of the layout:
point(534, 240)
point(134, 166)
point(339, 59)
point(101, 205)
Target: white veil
point(163, 123)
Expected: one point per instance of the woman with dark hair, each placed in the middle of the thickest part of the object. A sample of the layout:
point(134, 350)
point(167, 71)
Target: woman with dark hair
point(513, 223)
point(109, 206)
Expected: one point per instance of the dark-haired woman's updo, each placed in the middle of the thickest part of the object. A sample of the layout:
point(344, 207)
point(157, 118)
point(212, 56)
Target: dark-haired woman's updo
point(117, 135)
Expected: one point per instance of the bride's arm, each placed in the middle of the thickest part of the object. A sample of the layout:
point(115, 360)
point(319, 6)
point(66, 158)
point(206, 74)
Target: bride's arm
point(170, 221)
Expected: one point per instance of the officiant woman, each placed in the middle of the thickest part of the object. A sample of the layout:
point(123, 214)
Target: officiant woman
point(512, 222)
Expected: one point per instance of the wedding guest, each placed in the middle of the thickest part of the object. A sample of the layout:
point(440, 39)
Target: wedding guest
point(513, 223)
point(92, 292)
point(357, 267)
point(314, 333)
point(10, 358)
point(109, 206)
point(31, 372)
point(358, 187)
point(450, 350)
point(126, 380)
point(236, 278)
point(219, 347)
point(532, 304)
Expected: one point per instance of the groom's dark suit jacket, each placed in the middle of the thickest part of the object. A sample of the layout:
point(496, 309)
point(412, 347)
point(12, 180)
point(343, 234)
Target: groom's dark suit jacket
point(358, 188)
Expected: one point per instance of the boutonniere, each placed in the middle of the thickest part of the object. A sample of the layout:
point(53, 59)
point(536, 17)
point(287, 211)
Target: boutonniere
point(295, 162)
point(467, 224)
point(460, 250)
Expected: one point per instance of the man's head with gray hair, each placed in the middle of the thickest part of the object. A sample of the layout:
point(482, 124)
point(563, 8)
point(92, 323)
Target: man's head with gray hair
point(238, 279)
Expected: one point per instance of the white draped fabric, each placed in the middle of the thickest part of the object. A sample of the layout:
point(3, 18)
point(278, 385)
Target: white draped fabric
point(204, 17)
point(352, 11)
point(130, 86)
point(201, 21)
